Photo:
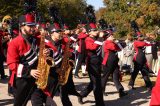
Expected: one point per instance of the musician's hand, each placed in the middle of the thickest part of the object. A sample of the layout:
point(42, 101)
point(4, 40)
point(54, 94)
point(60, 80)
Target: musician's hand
point(101, 34)
point(46, 52)
point(77, 47)
point(35, 73)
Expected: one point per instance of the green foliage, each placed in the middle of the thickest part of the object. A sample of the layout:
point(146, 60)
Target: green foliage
point(10, 7)
point(121, 12)
point(69, 9)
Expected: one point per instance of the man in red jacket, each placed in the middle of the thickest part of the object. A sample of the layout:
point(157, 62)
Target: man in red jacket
point(110, 63)
point(22, 56)
point(93, 47)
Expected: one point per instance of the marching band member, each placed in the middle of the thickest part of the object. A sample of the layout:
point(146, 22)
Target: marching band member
point(22, 58)
point(110, 63)
point(41, 96)
point(69, 87)
point(81, 52)
point(93, 46)
point(140, 63)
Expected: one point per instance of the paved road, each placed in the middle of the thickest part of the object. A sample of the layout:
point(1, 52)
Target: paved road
point(138, 97)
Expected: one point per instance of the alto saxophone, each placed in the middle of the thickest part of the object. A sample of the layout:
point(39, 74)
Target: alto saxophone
point(66, 66)
point(44, 64)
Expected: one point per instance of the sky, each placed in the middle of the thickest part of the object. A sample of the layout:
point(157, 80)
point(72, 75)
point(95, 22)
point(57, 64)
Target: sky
point(96, 3)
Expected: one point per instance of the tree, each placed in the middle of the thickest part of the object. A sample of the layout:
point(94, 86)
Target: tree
point(121, 12)
point(69, 9)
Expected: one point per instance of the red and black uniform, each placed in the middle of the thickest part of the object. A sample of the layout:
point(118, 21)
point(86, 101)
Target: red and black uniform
point(93, 47)
point(140, 63)
point(110, 65)
point(39, 97)
point(69, 87)
point(72, 39)
point(155, 99)
point(81, 52)
point(22, 56)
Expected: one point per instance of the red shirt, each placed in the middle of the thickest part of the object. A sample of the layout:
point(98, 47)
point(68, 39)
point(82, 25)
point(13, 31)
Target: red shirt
point(81, 36)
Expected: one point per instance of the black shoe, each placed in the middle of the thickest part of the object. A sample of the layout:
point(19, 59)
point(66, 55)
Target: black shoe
point(131, 87)
point(105, 94)
point(83, 74)
point(4, 77)
point(122, 93)
point(76, 76)
point(80, 100)
point(10, 94)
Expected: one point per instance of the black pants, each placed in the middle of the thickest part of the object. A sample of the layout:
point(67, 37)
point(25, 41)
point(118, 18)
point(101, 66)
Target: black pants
point(1, 66)
point(39, 98)
point(66, 90)
point(145, 73)
point(94, 72)
point(111, 70)
point(80, 59)
point(11, 89)
point(24, 89)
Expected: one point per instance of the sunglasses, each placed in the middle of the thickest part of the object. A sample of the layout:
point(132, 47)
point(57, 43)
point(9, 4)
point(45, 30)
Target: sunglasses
point(7, 21)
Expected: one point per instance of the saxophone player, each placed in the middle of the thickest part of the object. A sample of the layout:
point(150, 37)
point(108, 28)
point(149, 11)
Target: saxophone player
point(69, 87)
point(22, 58)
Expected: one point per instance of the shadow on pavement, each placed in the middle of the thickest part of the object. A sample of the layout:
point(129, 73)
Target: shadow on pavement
point(4, 81)
point(5, 102)
point(136, 97)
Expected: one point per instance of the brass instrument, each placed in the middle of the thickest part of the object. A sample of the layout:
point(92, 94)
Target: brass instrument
point(44, 64)
point(66, 66)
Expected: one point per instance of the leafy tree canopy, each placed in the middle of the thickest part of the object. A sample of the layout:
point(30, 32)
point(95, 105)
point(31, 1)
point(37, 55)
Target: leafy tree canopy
point(69, 9)
point(122, 12)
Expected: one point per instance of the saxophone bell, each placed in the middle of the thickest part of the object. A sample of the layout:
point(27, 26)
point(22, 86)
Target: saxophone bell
point(50, 61)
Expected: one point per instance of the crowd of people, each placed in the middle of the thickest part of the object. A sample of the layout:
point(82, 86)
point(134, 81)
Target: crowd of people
point(93, 49)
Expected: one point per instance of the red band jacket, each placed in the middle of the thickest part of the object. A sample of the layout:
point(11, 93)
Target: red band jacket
point(139, 47)
point(110, 49)
point(155, 99)
point(22, 56)
point(66, 39)
point(93, 46)
point(81, 42)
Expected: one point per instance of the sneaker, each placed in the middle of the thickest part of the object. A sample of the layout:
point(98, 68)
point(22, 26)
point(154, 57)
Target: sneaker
point(122, 94)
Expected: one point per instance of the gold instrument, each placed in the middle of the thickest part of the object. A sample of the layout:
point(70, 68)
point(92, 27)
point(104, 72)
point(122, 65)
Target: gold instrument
point(44, 64)
point(66, 66)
